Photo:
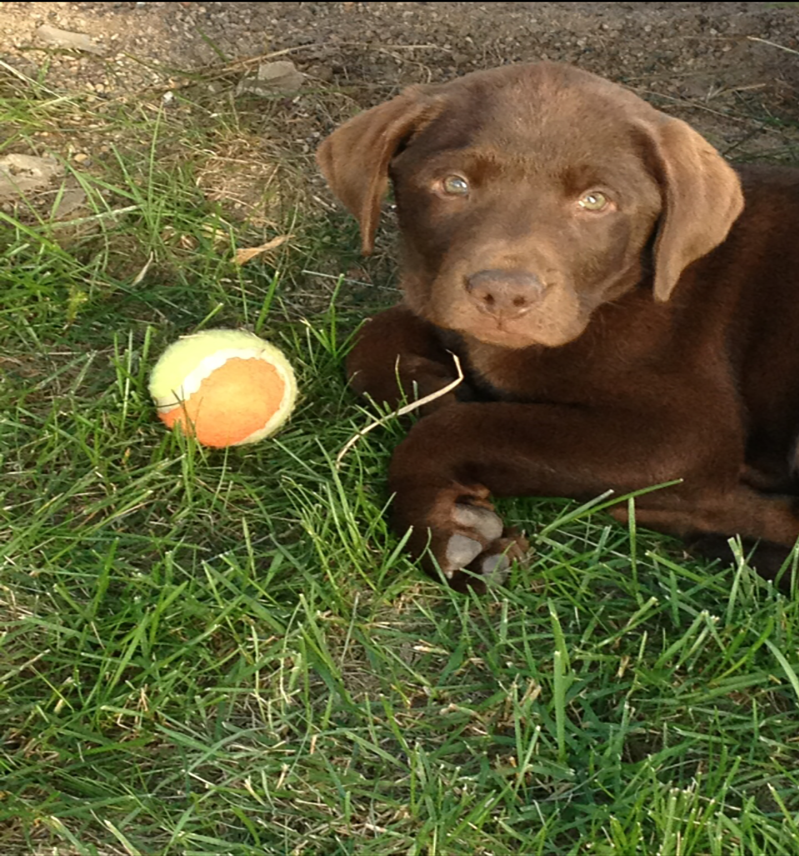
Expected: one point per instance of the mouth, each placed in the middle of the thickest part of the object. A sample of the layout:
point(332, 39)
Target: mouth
point(533, 329)
point(501, 337)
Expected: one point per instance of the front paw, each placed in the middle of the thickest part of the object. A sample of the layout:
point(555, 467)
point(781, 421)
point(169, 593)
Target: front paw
point(460, 536)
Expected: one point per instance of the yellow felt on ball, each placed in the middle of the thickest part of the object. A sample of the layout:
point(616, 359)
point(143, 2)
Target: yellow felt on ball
point(226, 387)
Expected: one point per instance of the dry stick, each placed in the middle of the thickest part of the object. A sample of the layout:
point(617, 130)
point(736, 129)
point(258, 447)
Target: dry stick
point(772, 44)
point(213, 72)
point(408, 408)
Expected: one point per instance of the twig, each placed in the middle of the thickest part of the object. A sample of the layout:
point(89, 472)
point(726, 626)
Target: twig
point(698, 105)
point(772, 44)
point(215, 71)
point(93, 218)
point(408, 408)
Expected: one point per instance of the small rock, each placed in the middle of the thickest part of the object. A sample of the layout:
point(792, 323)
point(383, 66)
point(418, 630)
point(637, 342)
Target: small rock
point(273, 78)
point(67, 39)
point(23, 174)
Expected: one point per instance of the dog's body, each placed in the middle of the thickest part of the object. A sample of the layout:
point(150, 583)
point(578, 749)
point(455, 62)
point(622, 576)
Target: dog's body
point(623, 303)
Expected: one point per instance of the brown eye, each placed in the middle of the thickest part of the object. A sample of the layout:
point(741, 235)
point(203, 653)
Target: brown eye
point(455, 185)
point(593, 201)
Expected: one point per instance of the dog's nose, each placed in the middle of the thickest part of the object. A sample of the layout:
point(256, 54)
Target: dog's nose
point(505, 293)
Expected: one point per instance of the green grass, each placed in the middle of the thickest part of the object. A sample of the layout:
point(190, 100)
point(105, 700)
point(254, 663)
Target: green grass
point(210, 652)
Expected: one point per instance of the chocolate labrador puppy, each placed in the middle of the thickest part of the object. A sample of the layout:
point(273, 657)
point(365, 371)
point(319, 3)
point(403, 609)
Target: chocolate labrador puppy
point(625, 306)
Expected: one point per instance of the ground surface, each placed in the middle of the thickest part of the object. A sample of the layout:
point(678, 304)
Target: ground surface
point(699, 57)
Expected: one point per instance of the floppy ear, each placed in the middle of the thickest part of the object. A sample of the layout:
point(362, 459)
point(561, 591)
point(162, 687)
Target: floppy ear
point(702, 198)
point(354, 158)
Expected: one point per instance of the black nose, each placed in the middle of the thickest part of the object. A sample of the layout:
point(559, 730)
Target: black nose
point(506, 293)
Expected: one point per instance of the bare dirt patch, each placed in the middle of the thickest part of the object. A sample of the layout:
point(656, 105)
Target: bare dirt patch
point(698, 57)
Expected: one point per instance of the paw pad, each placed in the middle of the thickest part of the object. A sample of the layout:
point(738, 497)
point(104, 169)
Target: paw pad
point(487, 524)
point(461, 550)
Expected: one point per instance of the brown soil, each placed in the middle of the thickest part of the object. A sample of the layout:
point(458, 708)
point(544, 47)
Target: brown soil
point(703, 59)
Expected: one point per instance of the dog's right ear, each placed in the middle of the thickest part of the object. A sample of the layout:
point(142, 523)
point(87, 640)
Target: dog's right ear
point(354, 158)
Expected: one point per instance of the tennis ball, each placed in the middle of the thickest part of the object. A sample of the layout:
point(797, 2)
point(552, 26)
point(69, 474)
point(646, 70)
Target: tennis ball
point(226, 387)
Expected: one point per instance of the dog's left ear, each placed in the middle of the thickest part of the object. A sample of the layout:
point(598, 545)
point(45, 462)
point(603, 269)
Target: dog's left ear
point(355, 157)
point(702, 198)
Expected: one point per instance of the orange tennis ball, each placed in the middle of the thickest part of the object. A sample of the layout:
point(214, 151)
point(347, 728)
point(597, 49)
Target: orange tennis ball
point(226, 387)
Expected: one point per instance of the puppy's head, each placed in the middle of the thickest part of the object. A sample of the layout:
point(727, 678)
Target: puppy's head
point(529, 195)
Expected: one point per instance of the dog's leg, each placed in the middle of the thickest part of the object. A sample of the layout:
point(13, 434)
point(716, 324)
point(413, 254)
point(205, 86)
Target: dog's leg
point(397, 357)
point(768, 559)
point(443, 472)
point(738, 510)
point(767, 523)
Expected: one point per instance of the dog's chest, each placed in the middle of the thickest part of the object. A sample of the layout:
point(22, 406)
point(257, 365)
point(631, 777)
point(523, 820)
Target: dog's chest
point(595, 369)
point(531, 374)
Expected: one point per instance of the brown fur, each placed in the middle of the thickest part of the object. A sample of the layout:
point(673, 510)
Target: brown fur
point(652, 340)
